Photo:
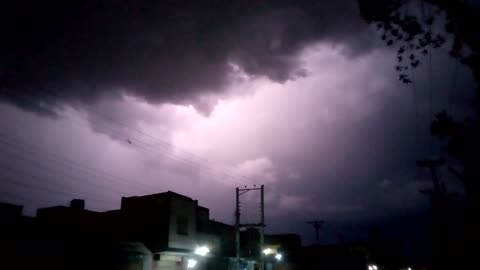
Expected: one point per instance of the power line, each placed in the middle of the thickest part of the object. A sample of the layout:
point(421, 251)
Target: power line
point(48, 191)
point(58, 170)
point(38, 187)
point(20, 198)
point(22, 174)
point(206, 169)
point(148, 147)
point(141, 132)
point(45, 154)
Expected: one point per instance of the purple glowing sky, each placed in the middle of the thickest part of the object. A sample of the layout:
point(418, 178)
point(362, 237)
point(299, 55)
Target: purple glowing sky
point(335, 140)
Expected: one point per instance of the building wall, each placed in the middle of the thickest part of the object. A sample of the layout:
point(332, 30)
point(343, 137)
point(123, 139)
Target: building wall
point(224, 237)
point(171, 214)
point(169, 262)
point(146, 219)
point(133, 256)
point(182, 209)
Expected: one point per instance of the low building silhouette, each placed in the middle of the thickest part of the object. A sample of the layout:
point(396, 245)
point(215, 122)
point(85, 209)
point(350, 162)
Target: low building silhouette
point(170, 225)
point(162, 231)
point(151, 232)
point(10, 211)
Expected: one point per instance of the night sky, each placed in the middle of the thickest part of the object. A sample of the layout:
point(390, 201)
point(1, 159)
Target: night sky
point(103, 99)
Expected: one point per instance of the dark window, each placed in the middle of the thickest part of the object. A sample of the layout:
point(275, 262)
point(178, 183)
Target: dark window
point(182, 225)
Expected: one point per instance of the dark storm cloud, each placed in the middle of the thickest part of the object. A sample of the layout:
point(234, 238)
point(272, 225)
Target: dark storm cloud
point(162, 51)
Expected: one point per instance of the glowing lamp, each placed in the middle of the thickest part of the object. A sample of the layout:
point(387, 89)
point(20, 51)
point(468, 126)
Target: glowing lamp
point(202, 251)
point(278, 256)
point(191, 263)
point(267, 251)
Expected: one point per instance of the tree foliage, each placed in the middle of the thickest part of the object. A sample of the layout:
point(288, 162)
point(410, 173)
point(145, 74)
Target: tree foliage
point(414, 37)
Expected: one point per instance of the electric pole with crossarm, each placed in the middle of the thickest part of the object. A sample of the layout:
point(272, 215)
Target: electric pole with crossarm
point(260, 225)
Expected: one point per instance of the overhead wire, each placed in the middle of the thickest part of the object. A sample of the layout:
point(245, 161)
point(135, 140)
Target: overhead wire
point(43, 192)
point(44, 188)
point(45, 154)
point(15, 198)
point(43, 180)
point(160, 141)
point(141, 144)
point(59, 171)
point(149, 147)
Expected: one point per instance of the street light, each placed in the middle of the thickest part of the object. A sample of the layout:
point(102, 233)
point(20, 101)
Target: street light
point(278, 256)
point(191, 263)
point(202, 251)
point(267, 251)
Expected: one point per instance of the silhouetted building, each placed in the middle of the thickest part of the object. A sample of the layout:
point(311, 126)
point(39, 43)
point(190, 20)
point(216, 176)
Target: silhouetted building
point(9, 211)
point(70, 238)
point(73, 216)
point(17, 237)
point(170, 225)
point(226, 235)
point(157, 231)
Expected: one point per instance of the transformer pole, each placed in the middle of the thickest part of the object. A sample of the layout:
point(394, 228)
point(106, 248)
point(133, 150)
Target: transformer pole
point(237, 227)
point(262, 229)
point(259, 225)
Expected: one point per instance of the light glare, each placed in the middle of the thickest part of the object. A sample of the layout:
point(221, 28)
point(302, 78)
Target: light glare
point(278, 256)
point(202, 251)
point(267, 251)
point(191, 263)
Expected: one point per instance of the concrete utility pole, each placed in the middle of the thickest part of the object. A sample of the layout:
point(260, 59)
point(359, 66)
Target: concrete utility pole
point(237, 225)
point(317, 224)
point(262, 229)
point(260, 226)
